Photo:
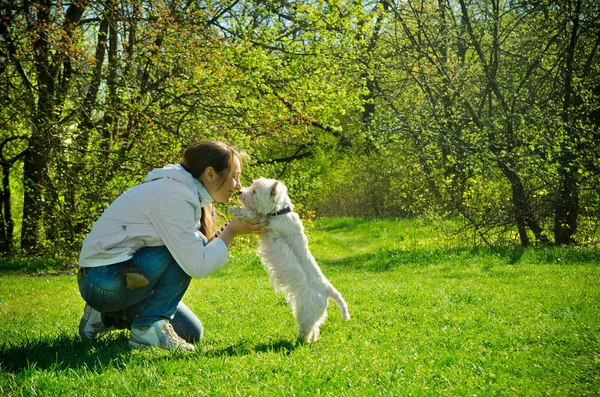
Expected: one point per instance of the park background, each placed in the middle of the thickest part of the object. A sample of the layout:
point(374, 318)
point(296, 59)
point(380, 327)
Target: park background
point(444, 156)
point(482, 111)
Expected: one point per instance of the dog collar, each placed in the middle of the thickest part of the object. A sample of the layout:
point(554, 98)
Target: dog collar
point(282, 211)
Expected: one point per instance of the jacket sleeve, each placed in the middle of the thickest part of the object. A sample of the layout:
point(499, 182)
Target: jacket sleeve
point(174, 220)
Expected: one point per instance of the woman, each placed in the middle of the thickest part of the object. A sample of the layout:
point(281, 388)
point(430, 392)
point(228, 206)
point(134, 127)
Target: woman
point(140, 256)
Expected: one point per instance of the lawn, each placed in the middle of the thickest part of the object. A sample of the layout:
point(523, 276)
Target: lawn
point(429, 317)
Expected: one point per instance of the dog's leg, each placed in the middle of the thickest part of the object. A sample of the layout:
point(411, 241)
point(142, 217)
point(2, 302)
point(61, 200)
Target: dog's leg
point(299, 245)
point(309, 305)
point(242, 213)
point(337, 298)
point(311, 312)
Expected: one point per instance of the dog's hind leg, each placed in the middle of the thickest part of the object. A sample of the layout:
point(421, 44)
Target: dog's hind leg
point(310, 315)
point(339, 300)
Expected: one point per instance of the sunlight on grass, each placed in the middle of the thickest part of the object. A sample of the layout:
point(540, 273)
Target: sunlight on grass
point(340, 238)
point(429, 317)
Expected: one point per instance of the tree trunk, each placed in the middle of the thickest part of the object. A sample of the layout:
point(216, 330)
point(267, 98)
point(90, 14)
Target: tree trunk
point(48, 64)
point(4, 217)
point(567, 204)
point(6, 221)
point(567, 207)
point(524, 215)
point(36, 159)
point(33, 179)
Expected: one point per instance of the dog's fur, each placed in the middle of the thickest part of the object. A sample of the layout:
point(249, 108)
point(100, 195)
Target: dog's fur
point(284, 252)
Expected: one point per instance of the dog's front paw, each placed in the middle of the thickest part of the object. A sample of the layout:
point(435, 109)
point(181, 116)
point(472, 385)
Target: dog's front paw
point(241, 213)
point(235, 211)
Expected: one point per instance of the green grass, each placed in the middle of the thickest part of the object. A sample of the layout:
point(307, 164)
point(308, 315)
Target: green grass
point(430, 317)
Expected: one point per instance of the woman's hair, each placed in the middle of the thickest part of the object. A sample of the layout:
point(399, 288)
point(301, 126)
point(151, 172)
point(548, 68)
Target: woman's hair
point(218, 155)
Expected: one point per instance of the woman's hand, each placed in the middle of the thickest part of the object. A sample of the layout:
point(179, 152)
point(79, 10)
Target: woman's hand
point(237, 227)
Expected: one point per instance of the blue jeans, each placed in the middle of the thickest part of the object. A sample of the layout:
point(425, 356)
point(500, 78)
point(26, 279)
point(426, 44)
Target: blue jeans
point(104, 289)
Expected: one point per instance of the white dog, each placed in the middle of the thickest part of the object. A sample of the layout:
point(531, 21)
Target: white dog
point(284, 252)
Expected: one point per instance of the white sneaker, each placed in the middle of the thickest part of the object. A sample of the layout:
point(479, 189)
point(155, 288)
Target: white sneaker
point(91, 326)
point(159, 334)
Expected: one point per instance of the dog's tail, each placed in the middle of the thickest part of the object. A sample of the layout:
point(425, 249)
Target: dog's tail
point(337, 298)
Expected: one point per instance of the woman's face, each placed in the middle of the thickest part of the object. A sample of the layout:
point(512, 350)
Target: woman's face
point(222, 191)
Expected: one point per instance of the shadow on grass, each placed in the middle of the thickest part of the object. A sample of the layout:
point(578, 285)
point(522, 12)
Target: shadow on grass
point(69, 351)
point(282, 346)
point(66, 351)
point(35, 266)
point(344, 224)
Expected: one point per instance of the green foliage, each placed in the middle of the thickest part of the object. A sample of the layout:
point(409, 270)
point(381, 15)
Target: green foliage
point(134, 90)
point(38, 266)
point(485, 110)
point(481, 101)
point(429, 317)
point(380, 185)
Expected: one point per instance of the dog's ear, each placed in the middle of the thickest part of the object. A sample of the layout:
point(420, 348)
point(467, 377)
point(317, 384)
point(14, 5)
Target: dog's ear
point(274, 189)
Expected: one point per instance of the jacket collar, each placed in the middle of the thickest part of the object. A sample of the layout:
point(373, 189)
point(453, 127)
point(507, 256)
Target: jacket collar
point(203, 194)
point(177, 172)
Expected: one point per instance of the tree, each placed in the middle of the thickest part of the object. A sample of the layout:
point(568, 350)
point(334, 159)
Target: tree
point(580, 98)
point(105, 91)
point(487, 76)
